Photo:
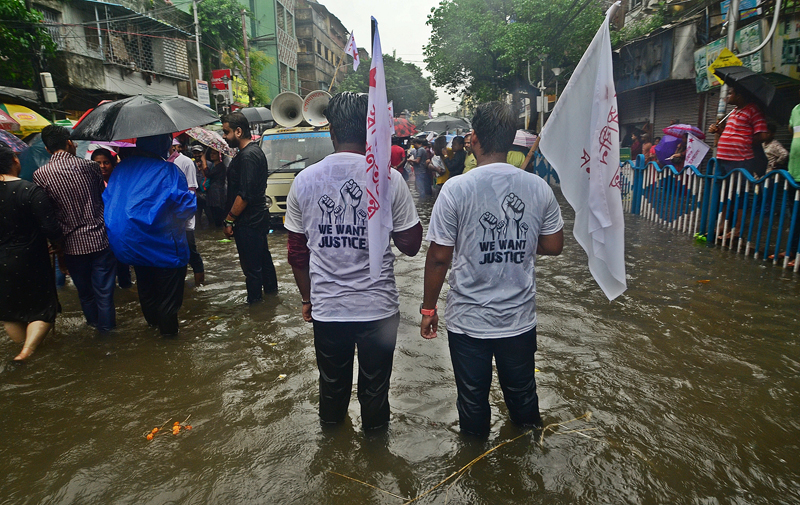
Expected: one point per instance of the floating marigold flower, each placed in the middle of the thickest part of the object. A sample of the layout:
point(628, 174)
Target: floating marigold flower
point(155, 430)
point(188, 427)
point(176, 423)
point(149, 436)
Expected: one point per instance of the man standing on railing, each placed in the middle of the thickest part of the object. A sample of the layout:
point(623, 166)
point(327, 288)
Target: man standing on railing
point(744, 127)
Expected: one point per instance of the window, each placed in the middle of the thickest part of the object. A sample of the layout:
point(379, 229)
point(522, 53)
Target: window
point(52, 20)
point(284, 77)
point(292, 79)
point(635, 4)
point(319, 48)
point(290, 24)
point(92, 38)
point(281, 21)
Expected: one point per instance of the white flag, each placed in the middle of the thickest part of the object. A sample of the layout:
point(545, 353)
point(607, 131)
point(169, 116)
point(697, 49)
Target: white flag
point(391, 117)
point(584, 150)
point(696, 150)
point(379, 145)
point(352, 50)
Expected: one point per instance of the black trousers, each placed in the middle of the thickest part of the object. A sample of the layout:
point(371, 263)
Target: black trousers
point(335, 346)
point(472, 364)
point(195, 261)
point(161, 296)
point(256, 261)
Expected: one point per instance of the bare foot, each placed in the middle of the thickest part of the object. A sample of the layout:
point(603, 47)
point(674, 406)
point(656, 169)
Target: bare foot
point(25, 354)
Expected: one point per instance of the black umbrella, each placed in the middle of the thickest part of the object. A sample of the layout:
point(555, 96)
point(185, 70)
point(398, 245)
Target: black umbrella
point(758, 88)
point(142, 115)
point(257, 114)
point(444, 123)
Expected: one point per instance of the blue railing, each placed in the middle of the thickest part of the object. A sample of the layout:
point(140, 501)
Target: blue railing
point(752, 216)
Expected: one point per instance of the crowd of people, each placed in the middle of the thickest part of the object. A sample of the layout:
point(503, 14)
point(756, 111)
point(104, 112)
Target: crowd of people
point(134, 208)
point(139, 209)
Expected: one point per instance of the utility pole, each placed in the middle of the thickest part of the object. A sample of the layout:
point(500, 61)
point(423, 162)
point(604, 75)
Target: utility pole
point(197, 39)
point(733, 16)
point(247, 62)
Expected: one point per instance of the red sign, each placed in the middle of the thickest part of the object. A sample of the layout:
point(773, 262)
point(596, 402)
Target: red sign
point(220, 79)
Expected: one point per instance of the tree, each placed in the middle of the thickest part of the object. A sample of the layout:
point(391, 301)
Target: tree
point(223, 43)
point(23, 43)
point(482, 47)
point(405, 85)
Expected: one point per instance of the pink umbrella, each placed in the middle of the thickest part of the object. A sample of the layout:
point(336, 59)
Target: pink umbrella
point(7, 122)
point(678, 130)
point(211, 139)
point(524, 139)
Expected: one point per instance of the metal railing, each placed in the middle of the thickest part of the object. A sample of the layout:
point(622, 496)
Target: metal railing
point(751, 216)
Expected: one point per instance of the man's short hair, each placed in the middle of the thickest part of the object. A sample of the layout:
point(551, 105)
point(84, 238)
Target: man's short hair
point(458, 140)
point(347, 114)
point(238, 120)
point(495, 125)
point(55, 137)
point(416, 140)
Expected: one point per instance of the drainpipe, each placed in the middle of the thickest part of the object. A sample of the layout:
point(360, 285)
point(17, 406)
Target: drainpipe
point(99, 33)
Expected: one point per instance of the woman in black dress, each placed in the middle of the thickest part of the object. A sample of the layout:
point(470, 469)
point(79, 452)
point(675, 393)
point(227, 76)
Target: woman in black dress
point(28, 300)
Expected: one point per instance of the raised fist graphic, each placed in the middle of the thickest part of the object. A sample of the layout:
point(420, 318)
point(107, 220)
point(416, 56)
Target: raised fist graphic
point(339, 213)
point(362, 217)
point(326, 206)
point(351, 196)
point(502, 229)
point(523, 229)
point(513, 208)
point(489, 223)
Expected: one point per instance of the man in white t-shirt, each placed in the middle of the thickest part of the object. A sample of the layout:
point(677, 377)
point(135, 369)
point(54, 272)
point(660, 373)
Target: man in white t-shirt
point(326, 220)
point(186, 165)
point(491, 222)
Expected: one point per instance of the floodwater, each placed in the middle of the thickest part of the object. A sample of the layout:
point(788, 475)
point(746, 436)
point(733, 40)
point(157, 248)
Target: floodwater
point(692, 379)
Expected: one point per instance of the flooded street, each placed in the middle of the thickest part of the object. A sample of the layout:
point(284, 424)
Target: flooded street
point(693, 389)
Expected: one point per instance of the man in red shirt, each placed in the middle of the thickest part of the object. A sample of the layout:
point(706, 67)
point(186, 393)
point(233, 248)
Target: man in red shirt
point(745, 126)
point(398, 158)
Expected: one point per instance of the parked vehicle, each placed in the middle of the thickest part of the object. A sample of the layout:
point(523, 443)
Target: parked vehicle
point(289, 151)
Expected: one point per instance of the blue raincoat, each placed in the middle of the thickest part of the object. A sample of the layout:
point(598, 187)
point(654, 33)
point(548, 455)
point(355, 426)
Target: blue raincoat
point(147, 203)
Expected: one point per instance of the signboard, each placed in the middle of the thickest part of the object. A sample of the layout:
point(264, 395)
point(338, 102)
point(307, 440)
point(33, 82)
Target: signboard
point(786, 48)
point(202, 93)
point(239, 89)
point(220, 79)
point(643, 63)
point(747, 9)
point(725, 59)
point(746, 39)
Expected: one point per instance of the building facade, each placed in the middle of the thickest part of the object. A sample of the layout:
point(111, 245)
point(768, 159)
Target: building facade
point(322, 38)
point(114, 50)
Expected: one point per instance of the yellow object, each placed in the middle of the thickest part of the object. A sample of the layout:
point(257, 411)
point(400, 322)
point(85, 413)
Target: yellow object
point(725, 59)
point(29, 121)
point(515, 158)
point(470, 162)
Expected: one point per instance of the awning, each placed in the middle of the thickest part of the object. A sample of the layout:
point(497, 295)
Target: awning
point(28, 121)
point(137, 14)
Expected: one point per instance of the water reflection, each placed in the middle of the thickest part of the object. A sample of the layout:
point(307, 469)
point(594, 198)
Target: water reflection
point(693, 389)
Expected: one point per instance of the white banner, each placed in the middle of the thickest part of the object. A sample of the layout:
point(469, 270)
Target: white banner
point(584, 150)
point(202, 93)
point(696, 150)
point(379, 145)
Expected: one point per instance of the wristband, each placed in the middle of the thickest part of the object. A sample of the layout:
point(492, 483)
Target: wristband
point(306, 302)
point(428, 312)
point(228, 222)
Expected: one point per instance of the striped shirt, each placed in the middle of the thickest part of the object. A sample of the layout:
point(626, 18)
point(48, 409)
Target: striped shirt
point(736, 141)
point(76, 186)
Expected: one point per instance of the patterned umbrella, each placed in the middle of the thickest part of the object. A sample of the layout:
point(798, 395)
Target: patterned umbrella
point(7, 122)
point(211, 139)
point(28, 121)
point(13, 142)
point(403, 127)
point(524, 139)
point(677, 130)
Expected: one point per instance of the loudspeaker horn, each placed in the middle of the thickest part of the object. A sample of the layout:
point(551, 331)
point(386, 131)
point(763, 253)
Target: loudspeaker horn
point(314, 106)
point(287, 109)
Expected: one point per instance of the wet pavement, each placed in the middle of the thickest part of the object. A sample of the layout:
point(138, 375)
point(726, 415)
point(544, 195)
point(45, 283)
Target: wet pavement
point(693, 386)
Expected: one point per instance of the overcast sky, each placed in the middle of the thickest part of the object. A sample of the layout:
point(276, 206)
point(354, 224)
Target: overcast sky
point(401, 26)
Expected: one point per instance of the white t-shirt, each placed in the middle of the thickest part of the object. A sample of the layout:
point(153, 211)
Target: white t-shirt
point(493, 217)
point(187, 166)
point(327, 203)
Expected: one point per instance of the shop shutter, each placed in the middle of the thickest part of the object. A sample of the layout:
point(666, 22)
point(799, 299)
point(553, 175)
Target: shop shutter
point(676, 100)
point(634, 107)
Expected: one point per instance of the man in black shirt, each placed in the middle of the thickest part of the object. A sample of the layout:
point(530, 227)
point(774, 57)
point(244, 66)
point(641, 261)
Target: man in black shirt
point(248, 216)
point(455, 164)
